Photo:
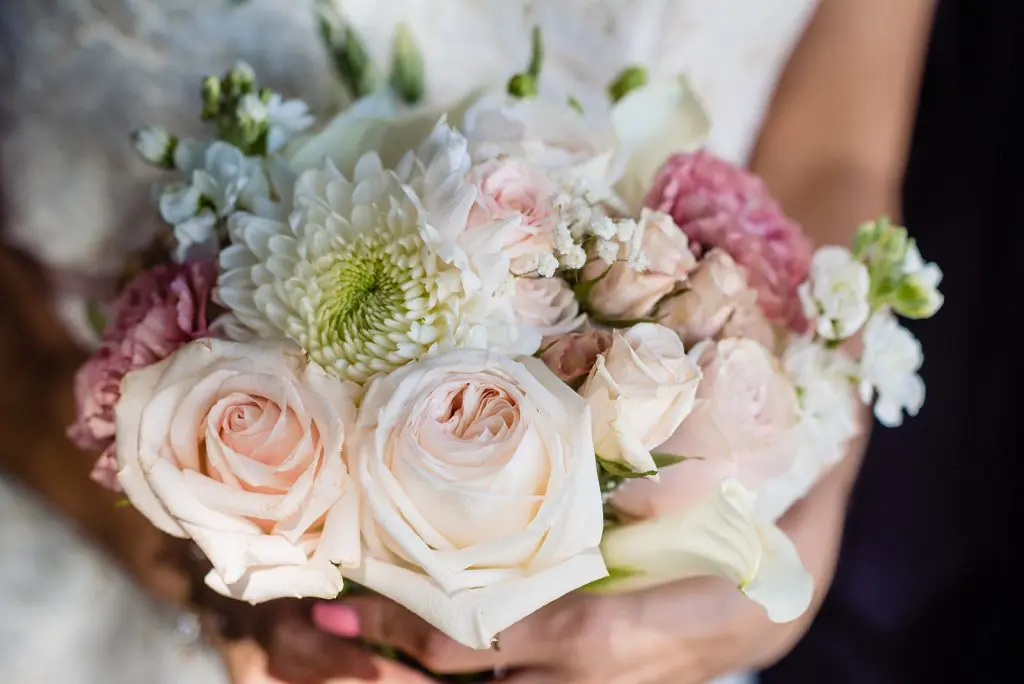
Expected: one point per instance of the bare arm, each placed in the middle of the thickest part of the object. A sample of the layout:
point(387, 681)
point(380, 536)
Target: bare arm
point(834, 144)
point(833, 151)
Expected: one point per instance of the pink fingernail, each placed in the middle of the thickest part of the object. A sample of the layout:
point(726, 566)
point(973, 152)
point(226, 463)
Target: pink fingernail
point(337, 618)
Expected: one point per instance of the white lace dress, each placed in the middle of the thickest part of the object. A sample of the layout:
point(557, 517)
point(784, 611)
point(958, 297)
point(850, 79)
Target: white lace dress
point(90, 72)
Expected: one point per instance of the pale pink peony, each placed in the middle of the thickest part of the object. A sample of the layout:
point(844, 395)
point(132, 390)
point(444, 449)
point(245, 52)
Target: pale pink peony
point(721, 205)
point(158, 312)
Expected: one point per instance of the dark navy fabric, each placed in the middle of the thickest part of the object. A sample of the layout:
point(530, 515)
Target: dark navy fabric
point(928, 581)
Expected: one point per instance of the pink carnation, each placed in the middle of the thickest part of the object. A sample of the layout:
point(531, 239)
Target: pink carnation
point(718, 204)
point(158, 312)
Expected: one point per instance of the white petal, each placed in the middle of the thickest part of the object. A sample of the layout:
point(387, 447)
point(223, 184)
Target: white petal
point(718, 536)
point(473, 617)
point(266, 584)
point(782, 585)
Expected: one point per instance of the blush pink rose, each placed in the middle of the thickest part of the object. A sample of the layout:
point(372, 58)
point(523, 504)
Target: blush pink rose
point(158, 312)
point(716, 303)
point(515, 189)
point(621, 292)
point(718, 204)
point(743, 426)
point(571, 357)
point(241, 448)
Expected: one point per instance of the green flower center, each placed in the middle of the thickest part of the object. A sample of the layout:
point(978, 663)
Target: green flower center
point(365, 294)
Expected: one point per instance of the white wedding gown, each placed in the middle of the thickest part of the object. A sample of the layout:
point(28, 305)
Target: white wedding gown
point(90, 72)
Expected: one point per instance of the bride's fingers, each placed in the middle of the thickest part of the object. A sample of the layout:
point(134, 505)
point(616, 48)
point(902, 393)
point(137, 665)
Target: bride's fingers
point(294, 651)
point(381, 621)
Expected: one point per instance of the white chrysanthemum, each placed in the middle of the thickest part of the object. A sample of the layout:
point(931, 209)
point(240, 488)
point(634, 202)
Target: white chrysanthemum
point(362, 276)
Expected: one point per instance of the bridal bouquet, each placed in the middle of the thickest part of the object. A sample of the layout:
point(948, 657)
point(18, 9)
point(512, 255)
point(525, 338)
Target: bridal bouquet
point(474, 360)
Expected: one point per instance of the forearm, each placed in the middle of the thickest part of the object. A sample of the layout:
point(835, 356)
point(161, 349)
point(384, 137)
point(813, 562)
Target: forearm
point(815, 525)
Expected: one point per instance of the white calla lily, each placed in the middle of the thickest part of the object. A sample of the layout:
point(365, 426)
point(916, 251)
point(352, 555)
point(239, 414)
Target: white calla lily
point(380, 122)
point(652, 123)
point(719, 536)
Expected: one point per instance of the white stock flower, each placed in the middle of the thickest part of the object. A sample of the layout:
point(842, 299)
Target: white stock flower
point(836, 293)
point(239, 447)
point(219, 181)
point(479, 490)
point(718, 536)
point(154, 144)
point(825, 380)
point(364, 277)
point(285, 119)
point(639, 392)
point(888, 369)
point(921, 285)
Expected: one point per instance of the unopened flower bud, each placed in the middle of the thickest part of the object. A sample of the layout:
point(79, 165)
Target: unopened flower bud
point(212, 91)
point(156, 146)
point(630, 79)
point(251, 109)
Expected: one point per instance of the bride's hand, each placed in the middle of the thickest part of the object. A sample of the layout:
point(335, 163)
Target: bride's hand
point(673, 635)
point(684, 633)
point(286, 648)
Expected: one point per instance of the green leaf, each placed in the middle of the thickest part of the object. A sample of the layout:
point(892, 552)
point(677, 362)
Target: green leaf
point(663, 460)
point(574, 103)
point(623, 471)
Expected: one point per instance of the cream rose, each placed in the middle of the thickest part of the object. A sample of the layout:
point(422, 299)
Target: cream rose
point(548, 305)
point(716, 291)
point(239, 447)
point(639, 392)
point(743, 426)
point(479, 489)
point(620, 291)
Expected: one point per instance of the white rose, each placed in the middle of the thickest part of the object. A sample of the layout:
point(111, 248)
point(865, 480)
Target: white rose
point(892, 356)
point(639, 392)
point(836, 293)
point(717, 536)
point(239, 447)
point(480, 495)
